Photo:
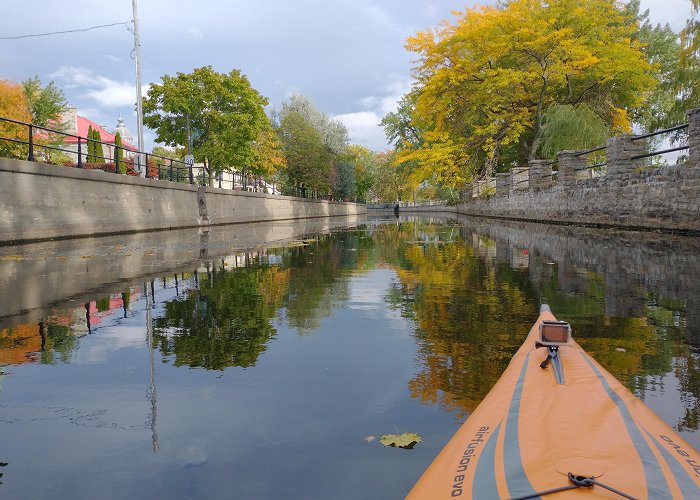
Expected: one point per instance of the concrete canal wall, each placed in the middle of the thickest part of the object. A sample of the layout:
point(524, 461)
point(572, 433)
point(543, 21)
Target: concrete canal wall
point(40, 202)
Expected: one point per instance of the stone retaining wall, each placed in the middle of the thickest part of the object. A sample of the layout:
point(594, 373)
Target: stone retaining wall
point(663, 198)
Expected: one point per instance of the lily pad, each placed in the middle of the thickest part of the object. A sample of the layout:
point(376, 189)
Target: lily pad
point(407, 440)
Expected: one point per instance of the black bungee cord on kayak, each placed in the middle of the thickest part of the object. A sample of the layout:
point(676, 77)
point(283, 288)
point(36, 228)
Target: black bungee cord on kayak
point(578, 482)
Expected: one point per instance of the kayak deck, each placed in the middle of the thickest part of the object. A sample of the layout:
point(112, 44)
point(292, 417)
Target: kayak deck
point(534, 428)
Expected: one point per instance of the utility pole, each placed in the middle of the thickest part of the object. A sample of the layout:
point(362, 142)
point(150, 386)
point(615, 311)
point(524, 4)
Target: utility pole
point(139, 97)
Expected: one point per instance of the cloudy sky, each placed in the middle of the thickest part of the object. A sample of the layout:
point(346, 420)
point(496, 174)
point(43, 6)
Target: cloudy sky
point(346, 55)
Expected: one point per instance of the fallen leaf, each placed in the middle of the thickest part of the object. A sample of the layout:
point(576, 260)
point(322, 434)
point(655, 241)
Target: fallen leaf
point(407, 440)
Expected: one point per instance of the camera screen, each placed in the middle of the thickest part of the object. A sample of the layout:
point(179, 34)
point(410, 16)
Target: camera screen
point(556, 333)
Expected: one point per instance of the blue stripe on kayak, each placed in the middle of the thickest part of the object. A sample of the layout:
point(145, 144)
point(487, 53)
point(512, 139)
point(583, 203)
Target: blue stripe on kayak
point(517, 481)
point(558, 368)
point(485, 474)
point(688, 487)
point(657, 487)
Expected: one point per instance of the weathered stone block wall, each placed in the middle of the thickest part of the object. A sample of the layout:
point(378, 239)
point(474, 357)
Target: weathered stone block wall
point(630, 195)
point(661, 198)
point(39, 201)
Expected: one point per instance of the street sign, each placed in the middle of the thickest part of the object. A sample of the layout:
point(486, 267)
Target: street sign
point(189, 160)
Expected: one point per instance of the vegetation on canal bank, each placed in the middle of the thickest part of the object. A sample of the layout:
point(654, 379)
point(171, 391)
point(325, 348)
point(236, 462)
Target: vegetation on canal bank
point(506, 84)
point(493, 88)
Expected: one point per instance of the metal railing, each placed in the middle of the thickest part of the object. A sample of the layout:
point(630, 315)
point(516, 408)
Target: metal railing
point(41, 138)
point(662, 151)
point(516, 185)
point(587, 152)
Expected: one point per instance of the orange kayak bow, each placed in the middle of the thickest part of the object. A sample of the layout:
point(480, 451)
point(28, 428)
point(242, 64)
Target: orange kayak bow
point(557, 423)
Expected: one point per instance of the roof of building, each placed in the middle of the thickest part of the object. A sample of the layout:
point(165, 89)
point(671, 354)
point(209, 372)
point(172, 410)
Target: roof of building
point(83, 126)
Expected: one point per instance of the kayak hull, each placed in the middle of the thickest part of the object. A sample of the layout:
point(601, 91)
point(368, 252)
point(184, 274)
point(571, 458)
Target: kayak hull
point(532, 429)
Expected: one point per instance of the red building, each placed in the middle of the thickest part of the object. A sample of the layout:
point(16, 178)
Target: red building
point(79, 125)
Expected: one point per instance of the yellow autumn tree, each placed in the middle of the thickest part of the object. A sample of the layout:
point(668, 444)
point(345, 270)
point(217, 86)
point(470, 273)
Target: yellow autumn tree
point(485, 82)
point(13, 105)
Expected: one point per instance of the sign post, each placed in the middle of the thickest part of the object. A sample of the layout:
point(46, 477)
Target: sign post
point(189, 161)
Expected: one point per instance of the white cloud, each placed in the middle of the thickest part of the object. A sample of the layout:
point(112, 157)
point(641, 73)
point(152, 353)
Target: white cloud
point(104, 91)
point(363, 128)
point(96, 348)
point(195, 33)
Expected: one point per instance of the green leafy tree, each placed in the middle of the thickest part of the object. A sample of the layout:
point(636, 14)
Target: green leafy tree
point(119, 152)
point(569, 127)
point(364, 162)
point(308, 160)
point(391, 180)
point(268, 155)
point(179, 173)
point(45, 103)
point(344, 186)
point(399, 126)
point(98, 149)
point(226, 115)
point(90, 146)
point(333, 133)
point(689, 72)
point(661, 46)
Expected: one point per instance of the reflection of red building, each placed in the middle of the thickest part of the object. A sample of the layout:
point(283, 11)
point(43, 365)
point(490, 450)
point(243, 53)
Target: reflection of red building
point(23, 343)
point(116, 302)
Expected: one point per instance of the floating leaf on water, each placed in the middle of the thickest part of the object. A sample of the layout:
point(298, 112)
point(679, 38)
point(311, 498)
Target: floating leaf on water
point(369, 439)
point(296, 243)
point(406, 440)
point(11, 257)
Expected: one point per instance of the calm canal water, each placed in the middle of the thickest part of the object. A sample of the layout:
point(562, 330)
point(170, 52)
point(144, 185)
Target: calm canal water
point(265, 361)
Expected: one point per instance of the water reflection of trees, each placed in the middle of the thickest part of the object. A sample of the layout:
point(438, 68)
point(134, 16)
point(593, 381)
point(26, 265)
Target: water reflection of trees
point(319, 275)
point(474, 298)
point(472, 295)
point(470, 318)
point(227, 318)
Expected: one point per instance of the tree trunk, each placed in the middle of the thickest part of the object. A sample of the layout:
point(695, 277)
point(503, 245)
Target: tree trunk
point(537, 128)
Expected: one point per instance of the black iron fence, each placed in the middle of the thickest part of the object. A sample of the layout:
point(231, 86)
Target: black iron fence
point(35, 142)
point(596, 158)
point(660, 132)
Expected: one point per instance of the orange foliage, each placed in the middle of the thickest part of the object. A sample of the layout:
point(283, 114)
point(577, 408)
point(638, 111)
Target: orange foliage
point(13, 105)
